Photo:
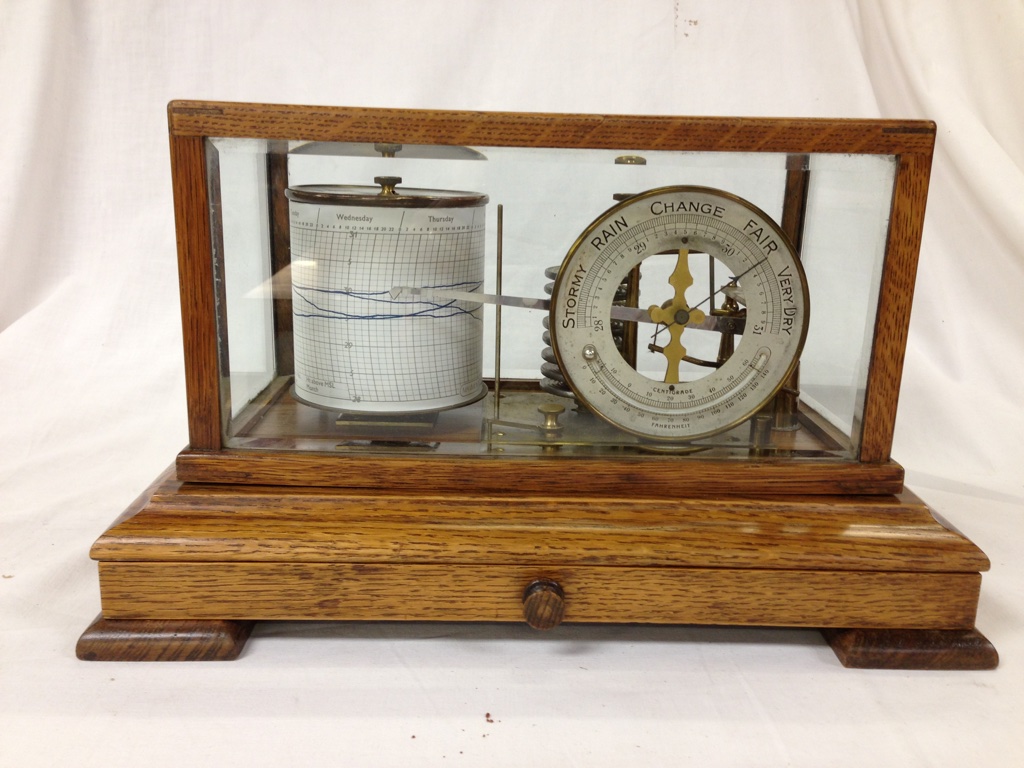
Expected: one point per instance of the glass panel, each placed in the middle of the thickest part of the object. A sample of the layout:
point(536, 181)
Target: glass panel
point(847, 224)
point(242, 267)
point(345, 324)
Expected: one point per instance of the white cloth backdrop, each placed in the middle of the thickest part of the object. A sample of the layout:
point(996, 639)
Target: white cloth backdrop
point(93, 396)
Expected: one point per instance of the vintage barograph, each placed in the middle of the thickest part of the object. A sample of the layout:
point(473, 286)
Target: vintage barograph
point(494, 367)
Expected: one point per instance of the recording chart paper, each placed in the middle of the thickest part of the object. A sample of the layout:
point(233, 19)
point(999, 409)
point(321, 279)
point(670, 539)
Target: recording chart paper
point(359, 349)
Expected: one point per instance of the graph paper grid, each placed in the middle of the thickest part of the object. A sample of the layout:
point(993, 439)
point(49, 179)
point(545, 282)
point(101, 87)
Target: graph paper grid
point(359, 349)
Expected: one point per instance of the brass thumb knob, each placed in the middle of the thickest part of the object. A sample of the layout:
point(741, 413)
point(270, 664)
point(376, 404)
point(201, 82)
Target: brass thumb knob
point(543, 604)
point(387, 184)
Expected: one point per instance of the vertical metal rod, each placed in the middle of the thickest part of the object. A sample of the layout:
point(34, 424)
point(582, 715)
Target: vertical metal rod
point(711, 281)
point(786, 403)
point(497, 319)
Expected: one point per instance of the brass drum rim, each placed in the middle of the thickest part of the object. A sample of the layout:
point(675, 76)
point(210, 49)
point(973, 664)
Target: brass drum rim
point(355, 195)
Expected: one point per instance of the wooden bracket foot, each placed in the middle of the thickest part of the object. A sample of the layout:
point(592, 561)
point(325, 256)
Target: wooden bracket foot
point(158, 640)
point(935, 649)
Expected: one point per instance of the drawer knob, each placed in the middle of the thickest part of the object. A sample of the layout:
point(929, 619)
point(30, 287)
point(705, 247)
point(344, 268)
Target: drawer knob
point(544, 604)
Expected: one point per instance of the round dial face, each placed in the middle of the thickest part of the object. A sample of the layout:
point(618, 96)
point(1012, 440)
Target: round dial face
point(721, 316)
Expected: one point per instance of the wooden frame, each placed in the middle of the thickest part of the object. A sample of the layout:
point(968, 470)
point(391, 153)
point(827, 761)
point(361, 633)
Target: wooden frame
point(207, 460)
point(228, 537)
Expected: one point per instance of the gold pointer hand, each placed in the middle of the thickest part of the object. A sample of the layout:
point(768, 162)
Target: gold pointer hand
point(675, 314)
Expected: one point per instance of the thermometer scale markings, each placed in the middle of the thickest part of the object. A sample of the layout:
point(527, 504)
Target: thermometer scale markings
point(619, 246)
point(692, 407)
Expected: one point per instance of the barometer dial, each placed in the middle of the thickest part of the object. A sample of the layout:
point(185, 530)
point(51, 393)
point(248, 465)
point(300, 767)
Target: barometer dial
point(756, 293)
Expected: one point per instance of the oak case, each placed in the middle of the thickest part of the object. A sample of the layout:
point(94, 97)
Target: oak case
point(809, 527)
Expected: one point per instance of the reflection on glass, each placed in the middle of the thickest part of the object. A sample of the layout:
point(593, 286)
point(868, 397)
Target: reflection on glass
point(289, 273)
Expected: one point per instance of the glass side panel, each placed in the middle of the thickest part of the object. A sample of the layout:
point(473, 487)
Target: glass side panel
point(847, 223)
point(358, 314)
point(243, 268)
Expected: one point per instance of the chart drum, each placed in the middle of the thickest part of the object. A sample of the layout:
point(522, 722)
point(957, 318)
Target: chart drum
point(358, 348)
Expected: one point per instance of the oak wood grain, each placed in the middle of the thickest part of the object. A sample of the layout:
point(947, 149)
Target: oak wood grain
point(210, 523)
point(517, 129)
point(640, 475)
point(193, 552)
point(934, 649)
point(414, 592)
point(162, 640)
point(195, 277)
point(896, 295)
point(543, 604)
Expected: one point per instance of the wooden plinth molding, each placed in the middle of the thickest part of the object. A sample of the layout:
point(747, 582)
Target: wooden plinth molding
point(188, 568)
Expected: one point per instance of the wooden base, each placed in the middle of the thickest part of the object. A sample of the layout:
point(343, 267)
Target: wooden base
point(188, 567)
point(912, 648)
point(212, 640)
point(154, 640)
